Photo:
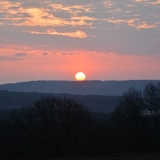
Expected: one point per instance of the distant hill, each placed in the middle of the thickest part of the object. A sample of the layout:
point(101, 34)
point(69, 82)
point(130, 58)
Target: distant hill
point(97, 103)
point(73, 87)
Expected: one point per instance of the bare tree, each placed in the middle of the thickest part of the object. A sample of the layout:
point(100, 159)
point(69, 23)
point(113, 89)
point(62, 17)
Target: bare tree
point(131, 104)
point(151, 96)
point(129, 121)
point(55, 126)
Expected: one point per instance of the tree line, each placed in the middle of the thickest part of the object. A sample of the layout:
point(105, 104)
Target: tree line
point(54, 127)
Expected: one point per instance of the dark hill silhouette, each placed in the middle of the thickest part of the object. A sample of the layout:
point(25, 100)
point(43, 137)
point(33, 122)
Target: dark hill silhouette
point(73, 87)
point(97, 103)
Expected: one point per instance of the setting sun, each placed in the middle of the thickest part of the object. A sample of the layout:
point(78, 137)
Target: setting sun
point(80, 76)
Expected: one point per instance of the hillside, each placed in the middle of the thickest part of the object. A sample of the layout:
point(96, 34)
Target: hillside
point(72, 87)
point(97, 103)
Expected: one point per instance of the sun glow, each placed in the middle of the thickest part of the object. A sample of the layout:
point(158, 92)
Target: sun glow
point(80, 76)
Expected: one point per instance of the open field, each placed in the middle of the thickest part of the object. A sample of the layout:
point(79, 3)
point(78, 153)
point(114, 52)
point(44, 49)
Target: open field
point(147, 157)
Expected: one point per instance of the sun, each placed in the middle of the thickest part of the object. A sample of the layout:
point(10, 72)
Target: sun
point(80, 76)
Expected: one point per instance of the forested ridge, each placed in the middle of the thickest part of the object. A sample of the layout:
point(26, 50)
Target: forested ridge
point(92, 87)
point(97, 103)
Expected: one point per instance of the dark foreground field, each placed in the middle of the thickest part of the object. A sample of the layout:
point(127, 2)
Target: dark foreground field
point(147, 157)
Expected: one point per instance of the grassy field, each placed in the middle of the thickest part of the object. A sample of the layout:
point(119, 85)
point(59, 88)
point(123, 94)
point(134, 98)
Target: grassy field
point(147, 157)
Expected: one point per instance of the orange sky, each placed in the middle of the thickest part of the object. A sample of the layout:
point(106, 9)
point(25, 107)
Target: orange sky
point(96, 66)
point(53, 40)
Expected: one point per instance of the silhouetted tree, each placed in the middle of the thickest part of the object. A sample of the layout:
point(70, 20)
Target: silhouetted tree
point(152, 102)
point(130, 122)
point(151, 96)
point(55, 127)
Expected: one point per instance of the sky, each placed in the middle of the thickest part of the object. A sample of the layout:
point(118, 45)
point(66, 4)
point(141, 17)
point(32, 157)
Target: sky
point(54, 39)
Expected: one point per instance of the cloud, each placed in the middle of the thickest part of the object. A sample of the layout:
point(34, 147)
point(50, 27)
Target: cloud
point(1, 23)
point(108, 3)
point(20, 54)
point(76, 34)
point(18, 15)
point(103, 25)
point(66, 54)
point(112, 55)
point(45, 53)
point(135, 23)
point(5, 58)
point(154, 2)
